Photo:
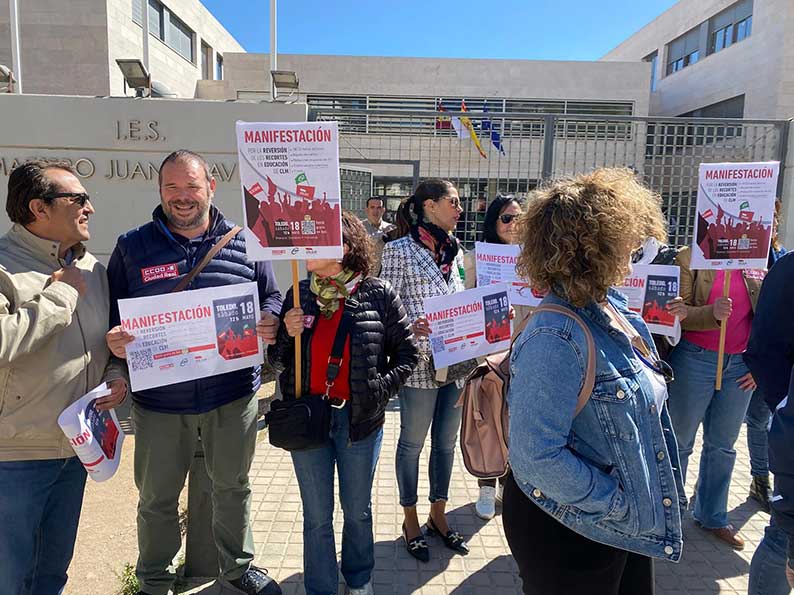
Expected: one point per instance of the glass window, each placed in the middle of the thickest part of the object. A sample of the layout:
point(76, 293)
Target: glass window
point(653, 59)
point(731, 25)
point(219, 68)
point(181, 38)
point(693, 57)
point(743, 28)
point(155, 17)
point(719, 40)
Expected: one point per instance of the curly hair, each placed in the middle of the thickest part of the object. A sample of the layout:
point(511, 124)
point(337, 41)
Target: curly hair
point(359, 245)
point(578, 233)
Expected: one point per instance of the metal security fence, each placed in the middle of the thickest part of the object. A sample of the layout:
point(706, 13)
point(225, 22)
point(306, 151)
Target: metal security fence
point(400, 147)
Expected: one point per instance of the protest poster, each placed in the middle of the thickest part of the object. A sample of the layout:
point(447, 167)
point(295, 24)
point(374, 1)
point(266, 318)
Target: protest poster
point(95, 435)
point(496, 263)
point(469, 324)
point(292, 203)
point(649, 288)
point(191, 334)
point(735, 212)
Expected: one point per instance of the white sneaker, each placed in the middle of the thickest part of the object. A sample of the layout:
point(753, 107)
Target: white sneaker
point(486, 503)
point(365, 590)
point(500, 491)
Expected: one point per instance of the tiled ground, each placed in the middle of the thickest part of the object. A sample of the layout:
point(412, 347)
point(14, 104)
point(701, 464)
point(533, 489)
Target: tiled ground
point(707, 566)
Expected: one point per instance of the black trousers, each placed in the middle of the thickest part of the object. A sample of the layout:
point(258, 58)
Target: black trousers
point(553, 560)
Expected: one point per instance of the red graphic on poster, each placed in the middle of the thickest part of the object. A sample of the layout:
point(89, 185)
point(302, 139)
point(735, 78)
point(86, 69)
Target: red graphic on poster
point(658, 292)
point(496, 308)
point(292, 218)
point(103, 428)
point(730, 237)
point(235, 326)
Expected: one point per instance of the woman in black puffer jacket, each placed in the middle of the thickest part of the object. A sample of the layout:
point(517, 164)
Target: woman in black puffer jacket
point(378, 356)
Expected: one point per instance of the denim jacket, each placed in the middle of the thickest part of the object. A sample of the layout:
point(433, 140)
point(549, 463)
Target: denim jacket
point(611, 473)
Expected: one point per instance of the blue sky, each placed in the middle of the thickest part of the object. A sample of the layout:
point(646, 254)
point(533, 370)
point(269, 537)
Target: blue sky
point(518, 29)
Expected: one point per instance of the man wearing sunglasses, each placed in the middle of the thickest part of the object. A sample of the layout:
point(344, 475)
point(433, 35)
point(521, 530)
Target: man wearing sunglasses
point(53, 319)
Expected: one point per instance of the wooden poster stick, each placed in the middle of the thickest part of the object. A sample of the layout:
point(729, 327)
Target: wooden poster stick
point(296, 303)
point(726, 287)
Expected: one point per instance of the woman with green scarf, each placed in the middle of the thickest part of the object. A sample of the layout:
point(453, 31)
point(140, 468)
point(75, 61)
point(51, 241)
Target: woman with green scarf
point(379, 353)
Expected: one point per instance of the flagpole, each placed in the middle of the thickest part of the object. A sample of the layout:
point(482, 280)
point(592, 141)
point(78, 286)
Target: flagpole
point(273, 50)
point(16, 61)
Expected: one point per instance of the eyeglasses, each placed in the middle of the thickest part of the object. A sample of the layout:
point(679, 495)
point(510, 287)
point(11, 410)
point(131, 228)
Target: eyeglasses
point(76, 198)
point(507, 219)
point(654, 362)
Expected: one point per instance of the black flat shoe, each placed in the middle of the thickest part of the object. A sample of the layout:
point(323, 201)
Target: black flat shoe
point(417, 547)
point(453, 540)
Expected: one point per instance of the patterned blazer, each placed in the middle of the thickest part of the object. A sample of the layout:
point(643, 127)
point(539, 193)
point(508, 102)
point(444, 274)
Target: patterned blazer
point(413, 272)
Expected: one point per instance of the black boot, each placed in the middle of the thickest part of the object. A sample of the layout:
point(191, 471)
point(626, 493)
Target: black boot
point(761, 491)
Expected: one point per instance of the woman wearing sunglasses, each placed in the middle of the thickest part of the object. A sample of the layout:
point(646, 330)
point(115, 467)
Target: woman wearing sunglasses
point(501, 225)
point(593, 492)
point(426, 261)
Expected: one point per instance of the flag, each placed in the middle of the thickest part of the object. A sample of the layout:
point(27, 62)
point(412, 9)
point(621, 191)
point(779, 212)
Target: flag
point(487, 126)
point(466, 122)
point(453, 122)
point(746, 215)
point(442, 122)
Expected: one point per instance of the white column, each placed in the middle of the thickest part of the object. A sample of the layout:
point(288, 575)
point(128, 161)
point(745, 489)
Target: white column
point(16, 61)
point(145, 23)
point(273, 50)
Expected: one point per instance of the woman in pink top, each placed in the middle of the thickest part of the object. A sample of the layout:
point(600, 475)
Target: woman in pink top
point(692, 396)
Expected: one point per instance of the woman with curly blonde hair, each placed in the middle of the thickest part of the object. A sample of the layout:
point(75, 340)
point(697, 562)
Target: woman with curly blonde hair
point(594, 492)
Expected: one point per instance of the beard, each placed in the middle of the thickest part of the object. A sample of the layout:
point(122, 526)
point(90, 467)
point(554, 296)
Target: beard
point(178, 221)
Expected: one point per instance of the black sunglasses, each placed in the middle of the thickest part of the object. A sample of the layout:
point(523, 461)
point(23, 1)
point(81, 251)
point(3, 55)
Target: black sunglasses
point(507, 219)
point(656, 364)
point(76, 198)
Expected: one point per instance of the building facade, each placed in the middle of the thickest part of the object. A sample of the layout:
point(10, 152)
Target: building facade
point(70, 48)
point(718, 58)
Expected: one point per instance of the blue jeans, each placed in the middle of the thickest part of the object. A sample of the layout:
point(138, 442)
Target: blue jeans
point(768, 568)
point(419, 407)
point(355, 462)
point(693, 400)
point(40, 505)
point(758, 416)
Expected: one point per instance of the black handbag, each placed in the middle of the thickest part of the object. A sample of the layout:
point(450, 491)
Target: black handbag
point(305, 422)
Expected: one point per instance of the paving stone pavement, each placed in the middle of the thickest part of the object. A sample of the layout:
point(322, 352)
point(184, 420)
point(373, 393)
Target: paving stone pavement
point(708, 566)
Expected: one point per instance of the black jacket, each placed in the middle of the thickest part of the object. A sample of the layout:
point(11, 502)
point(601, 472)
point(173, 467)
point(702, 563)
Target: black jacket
point(153, 245)
point(770, 357)
point(382, 354)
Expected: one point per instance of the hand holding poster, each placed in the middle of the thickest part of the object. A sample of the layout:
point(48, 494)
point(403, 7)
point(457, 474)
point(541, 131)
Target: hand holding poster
point(496, 263)
point(95, 435)
point(469, 324)
point(291, 193)
point(649, 288)
point(191, 334)
point(735, 212)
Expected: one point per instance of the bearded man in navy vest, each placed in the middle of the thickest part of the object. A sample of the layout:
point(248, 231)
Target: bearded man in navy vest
point(222, 409)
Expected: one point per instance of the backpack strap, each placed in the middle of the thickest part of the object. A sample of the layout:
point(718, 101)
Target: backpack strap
point(589, 378)
point(187, 279)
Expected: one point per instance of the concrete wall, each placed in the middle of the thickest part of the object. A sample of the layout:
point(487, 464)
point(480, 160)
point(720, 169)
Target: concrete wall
point(166, 65)
point(63, 45)
point(117, 144)
point(761, 66)
point(371, 75)
point(70, 47)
